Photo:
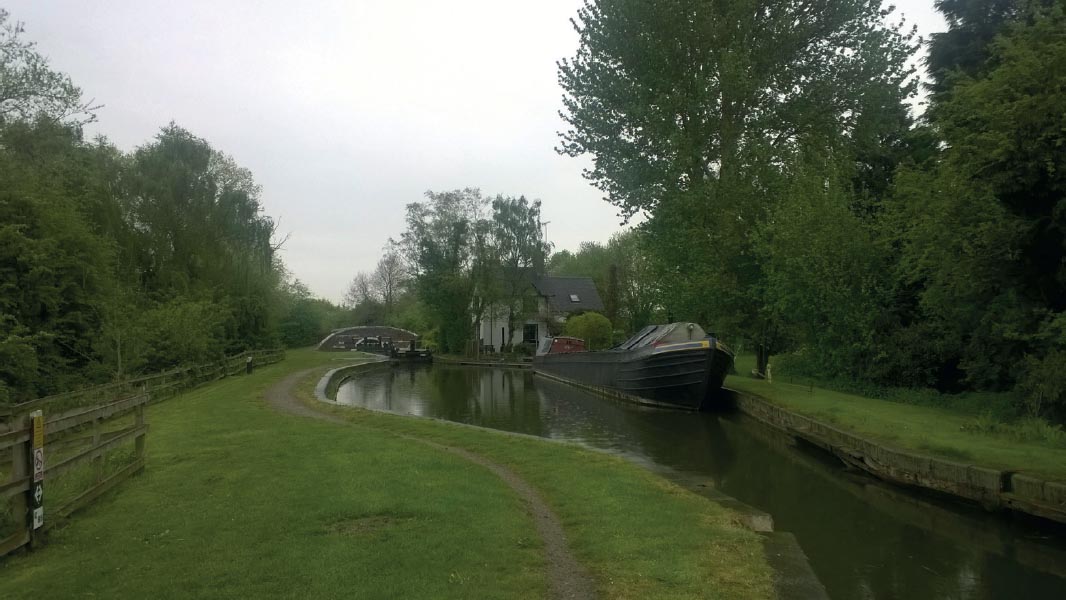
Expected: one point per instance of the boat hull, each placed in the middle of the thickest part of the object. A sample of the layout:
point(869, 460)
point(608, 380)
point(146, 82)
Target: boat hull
point(686, 376)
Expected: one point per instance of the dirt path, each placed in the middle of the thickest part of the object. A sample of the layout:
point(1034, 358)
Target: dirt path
point(567, 579)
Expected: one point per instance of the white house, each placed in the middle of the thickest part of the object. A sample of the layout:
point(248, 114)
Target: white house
point(556, 299)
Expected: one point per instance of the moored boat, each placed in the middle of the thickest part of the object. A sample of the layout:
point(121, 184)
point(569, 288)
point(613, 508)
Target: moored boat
point(675, 365)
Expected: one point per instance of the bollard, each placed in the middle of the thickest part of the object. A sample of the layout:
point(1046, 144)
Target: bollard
point(248, 365)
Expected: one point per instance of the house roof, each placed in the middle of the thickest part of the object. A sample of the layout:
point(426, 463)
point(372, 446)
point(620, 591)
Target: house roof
point(569, 294)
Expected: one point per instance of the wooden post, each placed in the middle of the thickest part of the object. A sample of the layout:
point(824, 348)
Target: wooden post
point(20, 469)
point(141, 437)
point(35, 493)
point(98, 462)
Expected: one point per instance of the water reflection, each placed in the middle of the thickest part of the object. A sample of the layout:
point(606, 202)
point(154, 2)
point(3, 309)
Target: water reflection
point(864, 539)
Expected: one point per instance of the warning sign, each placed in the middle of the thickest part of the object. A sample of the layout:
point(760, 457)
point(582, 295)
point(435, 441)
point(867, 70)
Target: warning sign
point(37, 494)
point(38, 464)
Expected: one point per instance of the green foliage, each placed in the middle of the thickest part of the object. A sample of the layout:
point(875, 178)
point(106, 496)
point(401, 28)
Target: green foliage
point(980, 230)
point(519, 250)
point(592, 327)
point(1044, 384)
point(816, 219)
point(444, 242)
point(112, 264)
point(29, 88)
point(307, 320)
point(810, 244)
point(695, 114)
point(464, 263)
point(622, 274)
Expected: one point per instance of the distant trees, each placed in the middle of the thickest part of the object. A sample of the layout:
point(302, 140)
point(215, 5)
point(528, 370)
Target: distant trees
point(464, 259)
point(623, 277)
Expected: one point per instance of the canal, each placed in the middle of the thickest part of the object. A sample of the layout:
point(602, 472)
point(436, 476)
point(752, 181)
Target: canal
point(864, 539)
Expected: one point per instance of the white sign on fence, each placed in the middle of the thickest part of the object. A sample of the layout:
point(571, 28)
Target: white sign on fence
point(38, 517)
point(38, 464)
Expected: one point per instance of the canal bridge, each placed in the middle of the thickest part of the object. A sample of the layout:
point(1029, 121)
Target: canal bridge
point(366, 337)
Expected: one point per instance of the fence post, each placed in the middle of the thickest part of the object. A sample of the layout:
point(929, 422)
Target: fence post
point(139, 442)
point(20, 469)
point(35, 493)
point(98, 462)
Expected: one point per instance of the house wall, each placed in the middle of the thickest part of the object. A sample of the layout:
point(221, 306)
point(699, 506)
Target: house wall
point(492, 331)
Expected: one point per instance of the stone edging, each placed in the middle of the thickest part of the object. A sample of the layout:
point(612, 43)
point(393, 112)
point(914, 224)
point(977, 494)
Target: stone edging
point(991, 488)
point(328, 384)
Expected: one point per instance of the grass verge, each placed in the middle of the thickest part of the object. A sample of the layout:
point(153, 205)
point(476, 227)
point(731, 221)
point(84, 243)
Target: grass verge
point(239, 501)
point(951, 434)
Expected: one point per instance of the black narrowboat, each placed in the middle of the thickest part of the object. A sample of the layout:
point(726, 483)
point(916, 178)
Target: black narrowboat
point(675, 365)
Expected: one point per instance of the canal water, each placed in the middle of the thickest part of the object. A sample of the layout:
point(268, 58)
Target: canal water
point(864, 539)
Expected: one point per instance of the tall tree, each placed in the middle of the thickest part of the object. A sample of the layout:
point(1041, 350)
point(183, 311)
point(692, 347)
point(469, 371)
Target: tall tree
point(519, 248)
point(690, 108)
point(389, 276)
point(444, 243)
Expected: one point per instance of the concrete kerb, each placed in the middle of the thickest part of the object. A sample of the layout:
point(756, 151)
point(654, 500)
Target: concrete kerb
point(327, 386)
point(992, 489)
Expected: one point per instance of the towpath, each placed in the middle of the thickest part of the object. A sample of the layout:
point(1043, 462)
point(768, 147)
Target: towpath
point(567, 578)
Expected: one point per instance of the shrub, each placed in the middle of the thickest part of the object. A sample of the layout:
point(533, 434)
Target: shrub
point(592, 327)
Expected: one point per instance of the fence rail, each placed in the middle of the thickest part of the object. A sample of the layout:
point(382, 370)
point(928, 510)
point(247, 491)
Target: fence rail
point(86, 432)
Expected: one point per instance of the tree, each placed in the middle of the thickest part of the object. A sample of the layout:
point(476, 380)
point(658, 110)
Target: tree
point(445, 245)
point(965, 48)
point(361, 290)
point(55, 270)
point(689, 110)
point(623, 260)
point(389, 276)
point(980, 231)
point(29, 88)
point(519, 248)
point(592, 327)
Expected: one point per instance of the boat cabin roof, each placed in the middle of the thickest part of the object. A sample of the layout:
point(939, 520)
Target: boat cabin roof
point(664, 334)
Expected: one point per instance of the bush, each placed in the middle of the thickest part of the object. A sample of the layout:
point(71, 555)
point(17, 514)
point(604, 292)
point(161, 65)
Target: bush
point(592, 327)
point(1044, 385)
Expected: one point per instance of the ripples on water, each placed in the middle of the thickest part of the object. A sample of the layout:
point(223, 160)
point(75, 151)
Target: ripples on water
point(864, 539)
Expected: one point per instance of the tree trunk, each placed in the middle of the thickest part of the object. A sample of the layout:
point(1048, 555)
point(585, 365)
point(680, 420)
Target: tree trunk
point(762, 357)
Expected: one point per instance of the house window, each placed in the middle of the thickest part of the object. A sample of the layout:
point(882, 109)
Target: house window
point(574, 298)
point(529, 333)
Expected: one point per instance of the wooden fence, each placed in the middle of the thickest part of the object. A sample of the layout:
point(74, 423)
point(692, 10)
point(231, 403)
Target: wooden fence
point(95, 438)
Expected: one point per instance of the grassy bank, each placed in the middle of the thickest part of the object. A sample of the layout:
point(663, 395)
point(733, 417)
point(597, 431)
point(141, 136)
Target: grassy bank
point(945, 432)
point(239, 501)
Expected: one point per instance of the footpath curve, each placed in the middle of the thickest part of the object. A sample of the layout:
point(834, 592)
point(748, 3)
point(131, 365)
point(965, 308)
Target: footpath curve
point(567, 578)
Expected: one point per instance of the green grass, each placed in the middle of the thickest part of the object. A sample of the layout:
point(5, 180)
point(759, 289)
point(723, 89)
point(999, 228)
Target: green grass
point(241, 502)
point(944, 432)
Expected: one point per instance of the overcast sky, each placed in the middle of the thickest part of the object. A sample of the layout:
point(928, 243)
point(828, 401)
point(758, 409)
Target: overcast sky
point(345, 111)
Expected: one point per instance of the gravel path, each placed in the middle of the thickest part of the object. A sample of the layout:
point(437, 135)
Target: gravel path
point(566, 577)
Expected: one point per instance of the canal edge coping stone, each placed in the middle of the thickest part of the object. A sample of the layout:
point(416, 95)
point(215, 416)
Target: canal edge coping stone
point(990, 488)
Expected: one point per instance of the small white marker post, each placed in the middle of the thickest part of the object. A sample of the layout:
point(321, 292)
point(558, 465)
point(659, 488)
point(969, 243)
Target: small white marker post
point(36, 492)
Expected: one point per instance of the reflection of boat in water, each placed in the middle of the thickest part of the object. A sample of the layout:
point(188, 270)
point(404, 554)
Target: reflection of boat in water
point(676, 365)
